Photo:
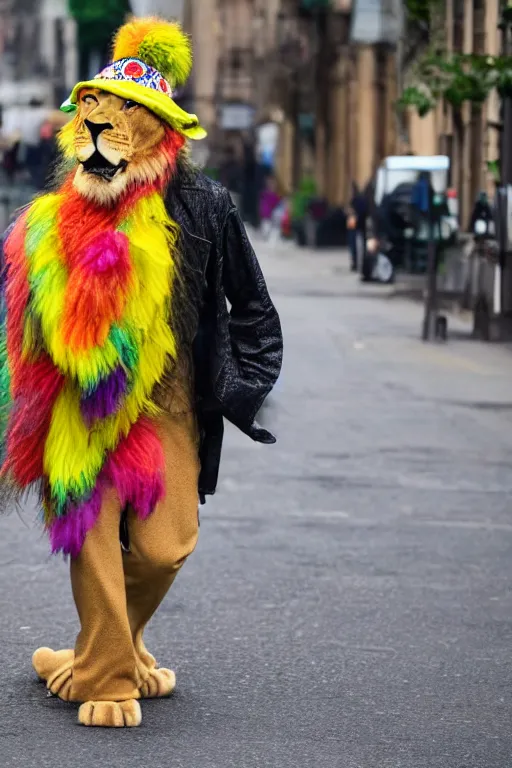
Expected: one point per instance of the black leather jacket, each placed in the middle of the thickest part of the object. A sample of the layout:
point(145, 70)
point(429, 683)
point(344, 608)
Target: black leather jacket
point(237, 350)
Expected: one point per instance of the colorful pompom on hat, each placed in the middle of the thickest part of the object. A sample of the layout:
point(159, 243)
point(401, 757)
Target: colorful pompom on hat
point(150, 58)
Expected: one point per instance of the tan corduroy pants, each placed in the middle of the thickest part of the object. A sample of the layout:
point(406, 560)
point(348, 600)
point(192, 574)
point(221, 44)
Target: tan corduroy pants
point(116, 593)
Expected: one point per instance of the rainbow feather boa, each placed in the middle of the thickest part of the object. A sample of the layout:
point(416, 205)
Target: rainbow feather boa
point(85, 339)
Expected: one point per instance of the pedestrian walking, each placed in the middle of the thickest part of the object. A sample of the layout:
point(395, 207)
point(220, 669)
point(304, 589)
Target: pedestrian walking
point(120, 361)
point(356, 225)
point(269, 202)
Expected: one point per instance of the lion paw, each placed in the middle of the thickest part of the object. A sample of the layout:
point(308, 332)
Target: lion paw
point(55, 668)
point(110, 714)
point(46, 662)
point(160, 683)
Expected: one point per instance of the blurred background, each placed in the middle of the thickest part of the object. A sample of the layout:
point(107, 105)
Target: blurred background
point(306, 87)
point(303, 100)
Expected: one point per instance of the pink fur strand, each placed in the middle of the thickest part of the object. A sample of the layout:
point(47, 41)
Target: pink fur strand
point(108, 251)
point(136, 469)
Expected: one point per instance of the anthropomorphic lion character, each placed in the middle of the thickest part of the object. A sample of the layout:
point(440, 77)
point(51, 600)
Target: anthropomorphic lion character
point(120, 359)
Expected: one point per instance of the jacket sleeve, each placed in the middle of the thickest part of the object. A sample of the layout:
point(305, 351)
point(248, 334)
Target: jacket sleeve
point(254, 348)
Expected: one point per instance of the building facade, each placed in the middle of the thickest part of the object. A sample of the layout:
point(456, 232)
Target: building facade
point(469, 135)
point(229, 38)
point(323, 73)
point(37, 51)
point(344, 83)
point(315, 68)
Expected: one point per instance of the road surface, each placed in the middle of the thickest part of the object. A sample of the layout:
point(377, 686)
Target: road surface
point(349, 604)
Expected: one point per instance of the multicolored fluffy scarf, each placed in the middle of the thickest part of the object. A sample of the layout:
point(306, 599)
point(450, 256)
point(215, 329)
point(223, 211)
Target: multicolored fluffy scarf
point(85, 339)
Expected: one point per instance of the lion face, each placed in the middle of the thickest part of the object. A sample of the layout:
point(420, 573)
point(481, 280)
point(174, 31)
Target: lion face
point(119, 144)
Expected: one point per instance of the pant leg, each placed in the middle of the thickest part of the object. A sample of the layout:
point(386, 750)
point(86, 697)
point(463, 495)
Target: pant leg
point(105, 666)
point(361, 245)
point(160, 544)
point(352, 244)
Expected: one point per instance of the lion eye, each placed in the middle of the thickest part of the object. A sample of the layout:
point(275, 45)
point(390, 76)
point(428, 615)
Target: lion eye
point(89, 99)
point(130, 104)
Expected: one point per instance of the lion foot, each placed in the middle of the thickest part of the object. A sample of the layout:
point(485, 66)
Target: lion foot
point(160, 683)
point(46, 662)
point(110, 714)
point(55, 668)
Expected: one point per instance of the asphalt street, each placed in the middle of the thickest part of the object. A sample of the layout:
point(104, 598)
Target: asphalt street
point(349, 604)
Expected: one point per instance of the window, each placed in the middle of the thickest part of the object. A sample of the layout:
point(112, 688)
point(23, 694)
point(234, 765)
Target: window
point(458, 25)
point(479, 26)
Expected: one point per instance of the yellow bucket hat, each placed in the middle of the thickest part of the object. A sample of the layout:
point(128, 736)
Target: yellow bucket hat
point(150, 58)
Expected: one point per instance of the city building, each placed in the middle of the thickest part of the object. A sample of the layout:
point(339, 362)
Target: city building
point(227, 87)
point(470, 135)
point(323, 71)
point(45, 46)
point(38, 52)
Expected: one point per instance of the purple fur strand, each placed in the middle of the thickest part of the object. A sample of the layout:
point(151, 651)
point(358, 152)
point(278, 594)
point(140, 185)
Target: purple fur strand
point(67, 533)
point(104, 400)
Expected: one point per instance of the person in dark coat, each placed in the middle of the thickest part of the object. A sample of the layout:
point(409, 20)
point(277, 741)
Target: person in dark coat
point(357, 227)
point(252, 182)
point(482, 213)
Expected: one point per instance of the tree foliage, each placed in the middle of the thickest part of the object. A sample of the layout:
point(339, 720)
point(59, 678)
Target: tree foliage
point(421, 10)
point(97, 20)
point(457, 78)
point(102, 11)
point(454, 77)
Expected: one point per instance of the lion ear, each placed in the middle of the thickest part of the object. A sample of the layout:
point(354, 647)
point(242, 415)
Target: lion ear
point(161, 44)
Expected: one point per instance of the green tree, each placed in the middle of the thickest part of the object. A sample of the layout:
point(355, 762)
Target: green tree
point(98, 11)
point(97, 21)
point(420, 10)
point(454, 77)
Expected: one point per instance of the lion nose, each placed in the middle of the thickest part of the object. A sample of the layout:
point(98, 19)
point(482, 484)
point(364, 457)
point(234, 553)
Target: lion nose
point(96, 128)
